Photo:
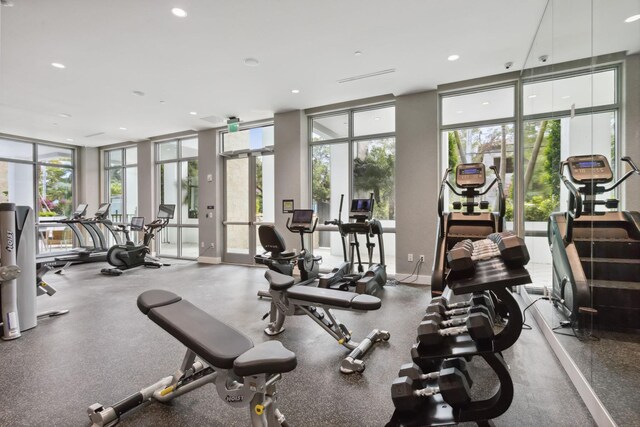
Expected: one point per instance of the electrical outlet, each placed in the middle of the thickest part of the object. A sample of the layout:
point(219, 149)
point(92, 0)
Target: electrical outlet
point(202, 244)
point(421, 258)
point(410, 257)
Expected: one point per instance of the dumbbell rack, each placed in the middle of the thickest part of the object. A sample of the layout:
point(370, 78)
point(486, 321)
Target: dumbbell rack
point(496, 276)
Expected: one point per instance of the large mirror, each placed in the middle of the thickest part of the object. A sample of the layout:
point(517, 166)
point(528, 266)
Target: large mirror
point(581, 118)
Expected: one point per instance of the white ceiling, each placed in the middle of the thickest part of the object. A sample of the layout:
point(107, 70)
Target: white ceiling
point(111, 48)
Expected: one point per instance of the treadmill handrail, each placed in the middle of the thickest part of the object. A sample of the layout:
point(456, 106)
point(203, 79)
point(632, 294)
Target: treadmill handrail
point(441, 200)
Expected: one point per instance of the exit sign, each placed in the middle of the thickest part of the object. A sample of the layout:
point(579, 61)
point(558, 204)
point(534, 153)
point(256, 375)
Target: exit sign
point(233, 127)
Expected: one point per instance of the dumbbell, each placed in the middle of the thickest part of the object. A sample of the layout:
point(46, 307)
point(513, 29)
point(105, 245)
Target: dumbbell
point(457, 321)
point(452, 386)
point(512, 248)
point(453, 305)
point(414, 372)
point(478, 325)
point(440, 307)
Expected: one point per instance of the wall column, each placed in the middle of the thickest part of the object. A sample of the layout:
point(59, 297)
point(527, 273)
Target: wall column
point(210, 195)
point(291, 166)
point(88, 178)
point(631, 128)
point(417, 182)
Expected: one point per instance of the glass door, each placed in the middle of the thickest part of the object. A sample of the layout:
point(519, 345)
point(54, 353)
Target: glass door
point(249, 203)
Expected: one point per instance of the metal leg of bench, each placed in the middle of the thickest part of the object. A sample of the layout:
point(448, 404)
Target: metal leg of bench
point(264, 409)
point(353, 363)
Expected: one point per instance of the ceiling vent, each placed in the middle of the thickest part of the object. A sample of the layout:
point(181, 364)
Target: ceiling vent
point(216, 120)
point(94, 134)
point(366, 76)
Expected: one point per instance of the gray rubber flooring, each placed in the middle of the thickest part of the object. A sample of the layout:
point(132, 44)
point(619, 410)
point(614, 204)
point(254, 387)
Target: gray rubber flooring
point(105, 350)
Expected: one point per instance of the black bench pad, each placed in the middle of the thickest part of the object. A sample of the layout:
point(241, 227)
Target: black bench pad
point(267, 358)
point(214, 341)
point(278, 281)
point(334, 298)
point(156, 298)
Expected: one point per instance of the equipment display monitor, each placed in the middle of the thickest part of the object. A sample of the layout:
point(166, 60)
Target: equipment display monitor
point(470, 175)
point(81, 210)
point(361, 206)
point(137, 223)
point(103, 210)
point(166, 211)
point(302, 218)
point(590, 169)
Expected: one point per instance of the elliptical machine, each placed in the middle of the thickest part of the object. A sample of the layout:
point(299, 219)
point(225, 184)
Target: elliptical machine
point(131, 255)
point(343, 277)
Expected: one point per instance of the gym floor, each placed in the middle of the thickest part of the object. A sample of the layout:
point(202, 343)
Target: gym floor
point(105, 350)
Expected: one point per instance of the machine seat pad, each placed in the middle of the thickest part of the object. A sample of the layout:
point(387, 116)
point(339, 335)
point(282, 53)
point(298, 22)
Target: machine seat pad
point(156, 298)
point(278, 281)
point(269, 357)
point(215, 342)
point(334, 298)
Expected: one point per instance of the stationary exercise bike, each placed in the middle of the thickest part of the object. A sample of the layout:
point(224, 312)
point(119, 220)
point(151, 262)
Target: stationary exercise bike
point(131, 255)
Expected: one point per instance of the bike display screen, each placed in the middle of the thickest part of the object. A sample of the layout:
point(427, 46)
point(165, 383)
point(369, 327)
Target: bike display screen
point(361, 205)
point(137, 223)
point(302, 217)
point(166, 211)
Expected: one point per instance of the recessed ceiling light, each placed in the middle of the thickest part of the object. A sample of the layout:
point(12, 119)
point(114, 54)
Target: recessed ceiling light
point(123, 128)
point(485, 103)
point(55, 124)
point(376, 118)
point(193, 113)
point(65, 115)
point(566, 97)
point(138, 92)
point(459, 112)
point(357, 53)
point(251, 62)
point(70, 139)
point(162, 102)
point(180, 13)
point(453, 57)
point(632, 18)
point(295, 90)
point(58, 65)
point(532, 96)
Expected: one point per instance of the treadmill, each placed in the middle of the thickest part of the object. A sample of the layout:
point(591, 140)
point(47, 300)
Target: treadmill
point(596, 253)
point(99, 252)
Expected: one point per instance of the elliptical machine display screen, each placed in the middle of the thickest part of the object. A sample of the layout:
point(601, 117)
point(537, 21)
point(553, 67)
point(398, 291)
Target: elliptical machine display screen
point(361, 207)
point(137, 223)
point(302, 218)
point(470, 175)
point(593, 168)
point(166, 211)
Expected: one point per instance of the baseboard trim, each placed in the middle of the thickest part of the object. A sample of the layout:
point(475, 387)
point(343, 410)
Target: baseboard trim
point(599, 413)
point(209, 260)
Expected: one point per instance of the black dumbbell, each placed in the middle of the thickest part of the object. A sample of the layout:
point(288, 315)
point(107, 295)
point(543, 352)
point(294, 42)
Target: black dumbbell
point(459, 257)
point(512, 248)
point(478, 325)
point(439, 307)
point(457, 321)
point(452, 386)
point(414, 372)
point(461, 304)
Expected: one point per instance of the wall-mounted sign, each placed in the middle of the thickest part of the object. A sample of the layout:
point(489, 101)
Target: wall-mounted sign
point(287, 206)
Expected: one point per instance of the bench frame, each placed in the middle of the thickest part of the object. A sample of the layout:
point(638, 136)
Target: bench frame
point(283, 306)
point(258, 392)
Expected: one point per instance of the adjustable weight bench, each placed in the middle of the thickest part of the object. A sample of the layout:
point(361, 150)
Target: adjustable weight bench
point(288, 300)
point(244, 375)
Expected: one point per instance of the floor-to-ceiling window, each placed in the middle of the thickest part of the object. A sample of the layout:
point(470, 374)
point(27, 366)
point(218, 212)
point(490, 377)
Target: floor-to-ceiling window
point(249, 190)
point(40, 176)
point(121, 183)
point(561, 115)
point(177, 184)
point(353, 154)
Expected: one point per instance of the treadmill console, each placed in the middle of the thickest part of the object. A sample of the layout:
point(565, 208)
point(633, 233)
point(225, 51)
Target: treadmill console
point(80, 211)
point(137, 223)
point(166, 211)
point(590, 169)
point(470, 175)
point(361, 209)
point(302, 219)
point(103, 211)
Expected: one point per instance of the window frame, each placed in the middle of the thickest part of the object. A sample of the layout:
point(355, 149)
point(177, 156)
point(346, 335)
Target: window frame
point(107, 176)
